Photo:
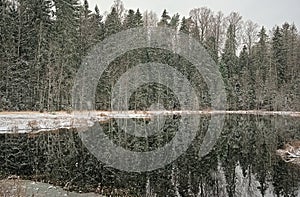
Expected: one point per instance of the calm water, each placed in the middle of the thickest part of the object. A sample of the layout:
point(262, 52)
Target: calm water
point(243, 162)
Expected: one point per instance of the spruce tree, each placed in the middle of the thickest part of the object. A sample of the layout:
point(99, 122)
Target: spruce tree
point(229, 66)
point(261, 55)
point(44, 34)
point(66, 49)
point(87, 33)
point(138, 18)
point(247, 96)
point(98, 24)
point(174, 22)
point(185, 25)
point(165, 18)
point(112, 23)
point(259, 63)
point(8, 50)
point(211, 45)
point(229, 57)
point(129, 21)
point(278, 56)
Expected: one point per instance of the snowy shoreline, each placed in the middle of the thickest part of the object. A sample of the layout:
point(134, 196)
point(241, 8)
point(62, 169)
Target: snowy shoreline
point(34, 122)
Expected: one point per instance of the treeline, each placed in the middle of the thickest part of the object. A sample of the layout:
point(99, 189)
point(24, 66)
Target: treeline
point(44, 41)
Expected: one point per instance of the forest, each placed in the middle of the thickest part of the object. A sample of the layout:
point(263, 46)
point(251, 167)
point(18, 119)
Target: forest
point(43, 43)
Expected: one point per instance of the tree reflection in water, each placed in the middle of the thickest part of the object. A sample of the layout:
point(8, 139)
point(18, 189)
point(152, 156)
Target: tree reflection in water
point(244, 162)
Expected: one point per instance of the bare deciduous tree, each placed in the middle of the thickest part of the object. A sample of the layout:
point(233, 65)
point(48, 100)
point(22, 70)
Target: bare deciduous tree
point(250, 34)
point(119, 6)
point(150, 18)
point(217, 29)
point(202, 18)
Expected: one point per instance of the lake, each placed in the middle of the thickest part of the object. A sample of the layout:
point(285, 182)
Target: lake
point(242, 161)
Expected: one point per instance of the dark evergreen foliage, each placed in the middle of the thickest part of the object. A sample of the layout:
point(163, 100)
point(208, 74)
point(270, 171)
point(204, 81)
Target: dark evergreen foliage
point(42, 43)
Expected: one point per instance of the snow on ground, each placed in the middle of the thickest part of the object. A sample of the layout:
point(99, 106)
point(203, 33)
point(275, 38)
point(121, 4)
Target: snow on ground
point(25, 122)
point(18, 187)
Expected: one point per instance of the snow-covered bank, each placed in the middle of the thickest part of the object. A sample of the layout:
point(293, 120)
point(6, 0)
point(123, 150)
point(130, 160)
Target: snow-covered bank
point(18, 187)
point(27, 122)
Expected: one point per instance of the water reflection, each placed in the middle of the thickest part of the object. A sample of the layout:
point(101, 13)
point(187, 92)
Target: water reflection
point(243, 162)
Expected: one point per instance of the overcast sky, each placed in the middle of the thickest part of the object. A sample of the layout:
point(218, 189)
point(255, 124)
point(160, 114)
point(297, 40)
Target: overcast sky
point(264, 12)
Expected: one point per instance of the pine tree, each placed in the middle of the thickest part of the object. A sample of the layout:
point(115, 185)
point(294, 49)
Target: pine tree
point(293, 65)
point(262, 54)
point(8, 51)
point(229, 65)
point(211, 45)
point(165, 18)
point(98, 24)
point(138, 19)
point(42, 26)
point(185, 25)
point(87, 35)
point(29, 25)
point(278, 56)
point(246, 95)
point(26, 43)
point(284, 63)
point(129, 21)
point(243, 59)
point(229, 57)
point(292, 54)
point(66, 49)
point(174, 23)
point(112, 23)
point(260, 65)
